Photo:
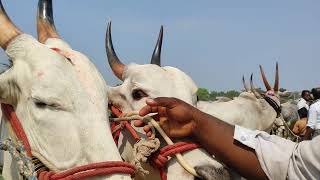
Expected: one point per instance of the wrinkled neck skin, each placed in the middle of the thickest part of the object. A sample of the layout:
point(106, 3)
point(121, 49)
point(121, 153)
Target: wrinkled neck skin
point(246, 111)
point(75, 130)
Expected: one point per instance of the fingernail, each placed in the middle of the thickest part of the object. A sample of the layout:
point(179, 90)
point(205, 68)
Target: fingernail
point(150, 100)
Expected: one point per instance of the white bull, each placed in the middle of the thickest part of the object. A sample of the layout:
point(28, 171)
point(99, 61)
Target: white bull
point(151, 80)
point(60, 99)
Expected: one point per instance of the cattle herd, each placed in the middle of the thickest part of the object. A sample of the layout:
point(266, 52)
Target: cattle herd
point(61, 101)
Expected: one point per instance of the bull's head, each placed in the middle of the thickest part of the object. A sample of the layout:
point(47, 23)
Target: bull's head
point(146, 81)
point(272, 95)
point(58, 95)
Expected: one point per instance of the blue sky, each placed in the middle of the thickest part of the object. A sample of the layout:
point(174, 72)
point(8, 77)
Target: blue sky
point(215, 42)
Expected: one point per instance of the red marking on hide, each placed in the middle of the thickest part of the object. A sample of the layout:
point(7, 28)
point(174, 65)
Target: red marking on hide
point(40, 74)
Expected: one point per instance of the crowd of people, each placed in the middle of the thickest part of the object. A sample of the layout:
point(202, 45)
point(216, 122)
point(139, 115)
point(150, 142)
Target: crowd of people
point(308, 126)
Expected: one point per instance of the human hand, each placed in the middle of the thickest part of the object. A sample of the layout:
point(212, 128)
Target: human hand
point(175, 116)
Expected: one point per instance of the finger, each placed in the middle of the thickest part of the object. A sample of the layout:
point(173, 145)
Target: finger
point(149, 134)
point(138, 123)
point(145, 110)
point(162, 111)
point(162, 101)
point(146, 129)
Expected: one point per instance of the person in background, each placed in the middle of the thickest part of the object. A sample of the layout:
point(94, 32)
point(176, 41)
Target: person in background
point(313, 125)
point(300, 126)
point(303, 104)
point(253, 154)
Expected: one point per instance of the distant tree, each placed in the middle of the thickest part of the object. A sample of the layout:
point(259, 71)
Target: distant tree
point(232, 93)
point(203, 94)
point(213, 95)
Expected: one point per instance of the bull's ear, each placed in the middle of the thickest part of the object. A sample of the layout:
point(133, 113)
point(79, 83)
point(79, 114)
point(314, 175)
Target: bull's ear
point(9, 89)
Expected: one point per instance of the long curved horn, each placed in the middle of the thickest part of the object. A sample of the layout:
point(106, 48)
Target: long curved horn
point(116, 65)
point(253, 89)
point(276, 82)
point(265, 81)
point(45, 22)
point(245, 84)
point(8, 30)
point(156, 56)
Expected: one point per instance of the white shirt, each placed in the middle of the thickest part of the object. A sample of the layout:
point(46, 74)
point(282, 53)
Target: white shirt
point(280, 158)
point(314, 116)
point(303, 103)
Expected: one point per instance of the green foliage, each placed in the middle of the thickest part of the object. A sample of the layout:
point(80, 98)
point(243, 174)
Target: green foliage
point(1, 178)
point(203, 94)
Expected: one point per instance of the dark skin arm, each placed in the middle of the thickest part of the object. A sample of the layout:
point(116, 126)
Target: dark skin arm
point(307, 136)
point(179, 119)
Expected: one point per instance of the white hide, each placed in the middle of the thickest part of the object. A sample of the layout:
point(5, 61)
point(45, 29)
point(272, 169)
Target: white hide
point(155, 81)
point(160, 81)
point(61, 105)
point(245, 110)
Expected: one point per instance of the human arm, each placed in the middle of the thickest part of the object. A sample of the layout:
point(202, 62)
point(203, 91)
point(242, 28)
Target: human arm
point(179, 119)
point(296, 128)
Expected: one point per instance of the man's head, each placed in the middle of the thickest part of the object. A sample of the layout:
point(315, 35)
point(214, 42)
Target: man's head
point(315, 93)
point(306, 95)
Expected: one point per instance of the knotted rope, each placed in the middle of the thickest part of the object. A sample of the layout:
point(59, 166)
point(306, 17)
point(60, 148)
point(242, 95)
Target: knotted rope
point(18, 153)
point(149, 120)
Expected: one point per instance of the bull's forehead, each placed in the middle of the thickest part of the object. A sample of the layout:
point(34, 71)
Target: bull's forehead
point(25, 48)
point(161, 81)
point(51, 70)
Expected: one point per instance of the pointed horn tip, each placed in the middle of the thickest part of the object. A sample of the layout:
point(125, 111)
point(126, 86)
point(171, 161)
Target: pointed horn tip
point(109, 24)
point(260, 66)
point(161, 32)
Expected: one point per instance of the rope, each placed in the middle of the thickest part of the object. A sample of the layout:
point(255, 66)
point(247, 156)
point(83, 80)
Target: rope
point(147, 119)
point(116, 128)
point(11, 116)
point(90, 170)
point(142, 150)
point(25, 166)
point(288, 128)
point(161, 158)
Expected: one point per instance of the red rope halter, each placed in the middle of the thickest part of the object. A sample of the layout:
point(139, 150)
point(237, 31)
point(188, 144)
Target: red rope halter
point(159, 159)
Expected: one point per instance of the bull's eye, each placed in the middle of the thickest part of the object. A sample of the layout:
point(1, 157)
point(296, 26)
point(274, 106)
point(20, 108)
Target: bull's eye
point(40, 104)
point(43, 104)
point(137, 94)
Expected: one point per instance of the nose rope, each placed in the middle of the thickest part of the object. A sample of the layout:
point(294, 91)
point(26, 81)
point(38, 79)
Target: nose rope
point(148, 119)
